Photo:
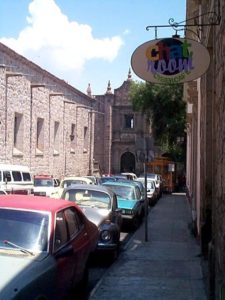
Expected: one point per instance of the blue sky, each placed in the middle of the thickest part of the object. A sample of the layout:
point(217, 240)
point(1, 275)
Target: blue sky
point(85, 41)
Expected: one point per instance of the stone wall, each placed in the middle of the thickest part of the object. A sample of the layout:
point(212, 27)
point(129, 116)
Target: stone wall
point(33, 93)
point(206, 138)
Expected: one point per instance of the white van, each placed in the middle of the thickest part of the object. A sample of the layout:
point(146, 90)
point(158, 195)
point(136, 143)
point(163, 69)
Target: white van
point(16, 179)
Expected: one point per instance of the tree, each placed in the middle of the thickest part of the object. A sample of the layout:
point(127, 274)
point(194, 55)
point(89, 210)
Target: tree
point(164, 107)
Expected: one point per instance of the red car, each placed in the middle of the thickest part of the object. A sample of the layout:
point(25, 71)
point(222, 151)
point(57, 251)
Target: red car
point(44, 247)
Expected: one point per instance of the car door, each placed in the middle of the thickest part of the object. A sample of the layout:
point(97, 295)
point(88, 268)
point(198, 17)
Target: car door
point(140, 202)
point(70, 242)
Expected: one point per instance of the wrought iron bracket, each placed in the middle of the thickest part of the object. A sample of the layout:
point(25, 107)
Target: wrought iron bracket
point(212, 20)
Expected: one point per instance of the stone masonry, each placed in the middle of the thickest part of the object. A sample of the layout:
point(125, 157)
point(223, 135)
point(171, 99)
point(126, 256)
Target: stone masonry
point(53, 128)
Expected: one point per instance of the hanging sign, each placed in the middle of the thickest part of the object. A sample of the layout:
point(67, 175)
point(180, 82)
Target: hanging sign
point(170, 60)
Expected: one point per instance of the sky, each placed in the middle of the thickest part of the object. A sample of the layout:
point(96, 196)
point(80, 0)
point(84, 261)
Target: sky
point(85, 41)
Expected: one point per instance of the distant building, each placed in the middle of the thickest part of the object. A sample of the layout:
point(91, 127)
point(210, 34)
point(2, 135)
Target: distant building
point(53, 128)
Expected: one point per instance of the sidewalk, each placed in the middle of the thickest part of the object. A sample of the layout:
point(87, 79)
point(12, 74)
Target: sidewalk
point(167, 267)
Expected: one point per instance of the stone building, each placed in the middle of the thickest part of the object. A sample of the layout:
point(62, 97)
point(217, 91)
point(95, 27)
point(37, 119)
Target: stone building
point(123, 128)
point(53, 128)
point(206, 140)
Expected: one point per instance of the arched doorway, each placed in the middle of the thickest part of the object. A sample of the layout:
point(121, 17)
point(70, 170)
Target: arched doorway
point(127, 162)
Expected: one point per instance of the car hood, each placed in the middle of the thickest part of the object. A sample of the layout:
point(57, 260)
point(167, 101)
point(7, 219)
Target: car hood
point(95, 215)
point(18, 271)
point(127, 204)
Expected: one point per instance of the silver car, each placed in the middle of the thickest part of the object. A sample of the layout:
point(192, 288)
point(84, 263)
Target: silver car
point(100, 206)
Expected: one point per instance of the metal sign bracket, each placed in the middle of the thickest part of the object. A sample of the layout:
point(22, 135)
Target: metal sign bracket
point(212, 19)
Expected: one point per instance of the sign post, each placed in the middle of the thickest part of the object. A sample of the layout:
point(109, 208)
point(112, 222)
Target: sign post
point(145, 149)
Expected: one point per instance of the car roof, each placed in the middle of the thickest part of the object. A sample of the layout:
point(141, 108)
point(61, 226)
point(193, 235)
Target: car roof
point(90, 187)
point(38, 203)
point(77, 178)
point(43, 177)
point(121, 183)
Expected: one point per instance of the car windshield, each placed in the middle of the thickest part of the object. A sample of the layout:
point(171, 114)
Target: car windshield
point(24, 230)
point(150, 183)
point(71, 182)
point(106, 179)
point(88, 198)
point(43, 182)
point(125, 192)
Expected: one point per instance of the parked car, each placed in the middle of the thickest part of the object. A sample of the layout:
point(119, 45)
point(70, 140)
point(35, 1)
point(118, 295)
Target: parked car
point(131, 176)
point(94, 179)
point(67, 182)
point(130, 201)
point(44, 247)
point(16, 179)
point(44, 185)
point(152, 193)
point(158, 182)
point(99, 204)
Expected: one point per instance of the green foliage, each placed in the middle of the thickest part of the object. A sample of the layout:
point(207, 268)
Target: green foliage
point(164, 106)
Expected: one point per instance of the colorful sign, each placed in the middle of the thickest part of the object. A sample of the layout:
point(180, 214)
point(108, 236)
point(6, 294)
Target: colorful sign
point(170, 60)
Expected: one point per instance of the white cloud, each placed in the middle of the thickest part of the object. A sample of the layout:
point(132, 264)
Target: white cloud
point(51, 40)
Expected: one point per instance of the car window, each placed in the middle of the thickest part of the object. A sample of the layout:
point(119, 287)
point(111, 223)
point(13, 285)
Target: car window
point(61, 234)
point(16, 176)
point(26, 176)
point(138, 192)
point(25, 229)
point(126, 192)
point(73, 222)
point(43, 182)
point(7, 176)
point(88, 198)
point(68, 224)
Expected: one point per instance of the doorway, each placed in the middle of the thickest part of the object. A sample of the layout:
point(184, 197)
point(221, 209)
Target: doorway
point(127, 162)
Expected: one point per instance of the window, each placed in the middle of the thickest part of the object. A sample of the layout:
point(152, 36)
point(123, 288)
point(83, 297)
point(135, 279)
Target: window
point(16, 176)
point(26, 176)
point(61, 235)
point(6, 176)
point(129, 121)
point(138, 192)
point(40, 134)
point(18, 131)
point(25, 228)
point(72, 137)
point(72, 222)
point(56, 137)
point(85, 138)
